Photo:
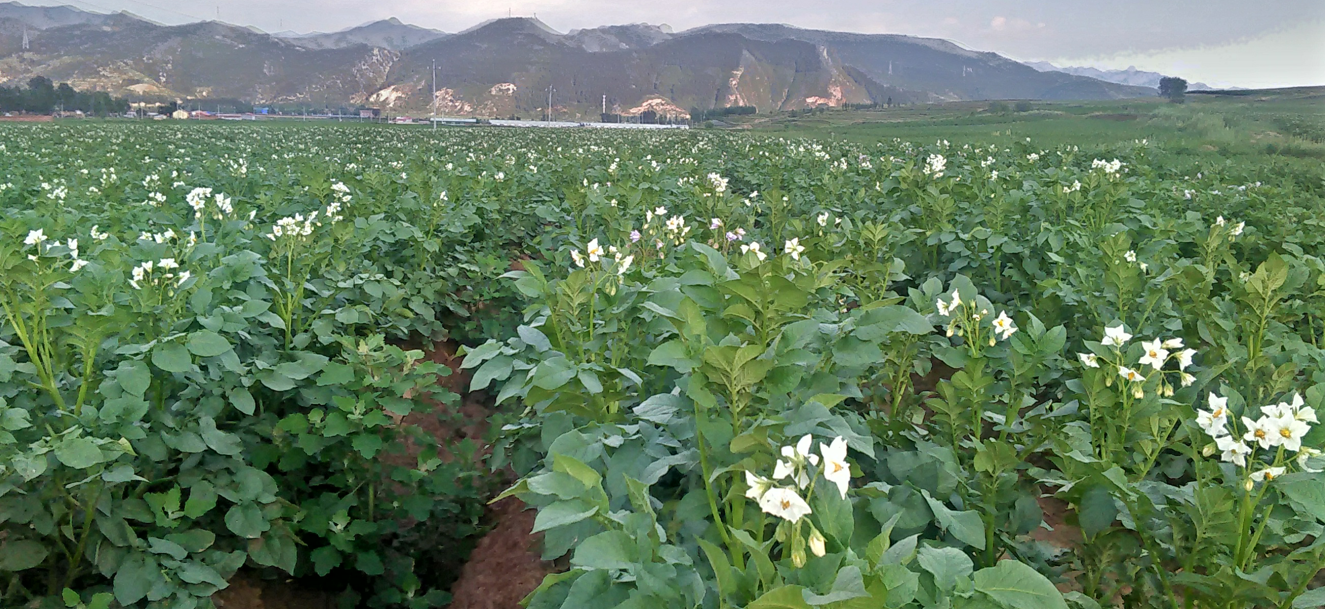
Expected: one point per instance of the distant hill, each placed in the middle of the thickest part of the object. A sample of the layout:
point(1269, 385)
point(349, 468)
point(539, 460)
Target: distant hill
point(387, 34)
point(506, 67)
point(1130, 76)
point(43, 17)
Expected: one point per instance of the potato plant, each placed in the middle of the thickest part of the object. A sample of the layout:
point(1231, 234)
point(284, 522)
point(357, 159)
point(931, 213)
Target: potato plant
point(736, 371)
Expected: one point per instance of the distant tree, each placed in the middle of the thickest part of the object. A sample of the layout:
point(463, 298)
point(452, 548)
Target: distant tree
point(997, 107)
point(1023, 106)
point(41, 95)
point(66, 96)
point(1174, 88)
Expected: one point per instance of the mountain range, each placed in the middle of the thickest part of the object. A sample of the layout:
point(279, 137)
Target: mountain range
point(510, 66)
point(1130, 76)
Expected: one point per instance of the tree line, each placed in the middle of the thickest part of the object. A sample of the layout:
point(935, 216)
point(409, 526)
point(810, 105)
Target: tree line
point(42, 96)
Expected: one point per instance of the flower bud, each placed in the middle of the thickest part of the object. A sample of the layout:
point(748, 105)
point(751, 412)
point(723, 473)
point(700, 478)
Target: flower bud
point(798, 550)
point(991, 341)
point(1248, 485)
point(817, 543)
point(1138, 392)
point(1208, 450)
point(949, 331)
point(1168, 391)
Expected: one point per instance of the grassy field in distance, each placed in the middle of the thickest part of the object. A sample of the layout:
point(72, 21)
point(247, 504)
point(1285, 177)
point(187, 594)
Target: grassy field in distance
point(1288, 122)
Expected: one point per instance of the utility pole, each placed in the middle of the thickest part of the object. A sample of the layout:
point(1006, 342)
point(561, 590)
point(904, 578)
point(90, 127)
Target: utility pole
point(434, 94)
point(604, 105)
point(550, 91)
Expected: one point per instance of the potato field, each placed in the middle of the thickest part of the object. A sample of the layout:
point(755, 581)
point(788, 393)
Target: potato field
point(726, 370)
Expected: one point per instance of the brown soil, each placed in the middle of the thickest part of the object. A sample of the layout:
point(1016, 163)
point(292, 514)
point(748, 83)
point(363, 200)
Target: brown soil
point(505, 567)
point(247, 591)
point(1060, 535)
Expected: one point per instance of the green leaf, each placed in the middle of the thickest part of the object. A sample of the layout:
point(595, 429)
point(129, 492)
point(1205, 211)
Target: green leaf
point(722, 568)
point(242, 400)
point(671, 354)
point(134, 579)
point(134, 377)
point(246, 520)
point(78, 452)
point(553, 373)
point(202, 498)
point(783, 597)
point(495, 369)
point(156, 545)
point(948, 565)
point(1017, 586)
point(120, 474)
point(606, 550)
point(193, 540)
point(877, 324)
point(276, 381)
point(205, 343)
point(369, 563)
point(659, 408)
point(1306, 489)
point(562, 513)
point(848, 585)
point(966, 526)
point(217, 440)
point(1310, 599)
point(21, 555)
point(852, 352)
point(367, 445)
point(172, 357)
point(1097, 510)
point(336, 373)
point(534, 338)
point(193, 572)
point(325, 559)
point(900, 552)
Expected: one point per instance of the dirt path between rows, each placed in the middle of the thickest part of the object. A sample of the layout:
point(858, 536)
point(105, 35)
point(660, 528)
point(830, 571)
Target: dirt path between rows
point(503, 568)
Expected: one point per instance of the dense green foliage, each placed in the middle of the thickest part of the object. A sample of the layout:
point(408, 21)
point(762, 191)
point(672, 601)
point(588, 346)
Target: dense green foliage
point(43, 97)
point(923, 345)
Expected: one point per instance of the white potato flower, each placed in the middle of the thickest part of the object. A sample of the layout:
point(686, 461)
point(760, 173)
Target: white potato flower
point(753, 246)
point(756, 486)
point(1260, 432)
point(794, 248)
point(1269, 473)
point(836, 468)
point(1116, 336)
point(784, 503)
point(1233, 450)
point(1004, 326)
point(1289, 432)
point(1155, 355)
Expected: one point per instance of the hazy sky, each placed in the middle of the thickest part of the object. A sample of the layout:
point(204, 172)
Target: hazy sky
point(1221, 42)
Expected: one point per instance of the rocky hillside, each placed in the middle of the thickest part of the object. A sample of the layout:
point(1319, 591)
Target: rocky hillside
point(387, 34)
point(505, 67)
